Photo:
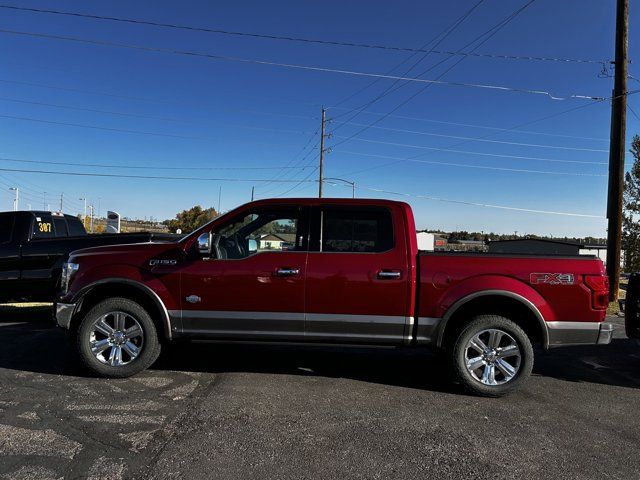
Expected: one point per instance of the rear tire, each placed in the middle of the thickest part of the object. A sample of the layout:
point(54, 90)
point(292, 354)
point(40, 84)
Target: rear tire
point(117, 338)
point(491, 357)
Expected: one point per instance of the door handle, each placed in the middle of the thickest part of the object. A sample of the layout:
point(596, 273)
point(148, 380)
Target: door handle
point(287, 272)
point(389, 274)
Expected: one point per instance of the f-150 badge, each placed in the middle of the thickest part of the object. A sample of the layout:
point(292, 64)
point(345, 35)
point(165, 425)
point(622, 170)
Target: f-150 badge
point(156, 261)
point(551, 278)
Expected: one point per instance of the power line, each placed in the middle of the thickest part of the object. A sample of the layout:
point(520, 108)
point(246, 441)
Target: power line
point(113, 175)
point(424, 147)
point(502, 169)
point(301, 39)
point(152, 117)
point(478, 204)
point(144, 167)
point(137, 132)
point(465, 152)
point(475, 125)
point(439, 38)
point(487, 36)
point(401, 130)
point(633, 112)
point(301, 67)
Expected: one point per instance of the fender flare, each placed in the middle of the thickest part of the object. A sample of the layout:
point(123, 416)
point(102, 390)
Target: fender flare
point(166, 319)
point(501, 293)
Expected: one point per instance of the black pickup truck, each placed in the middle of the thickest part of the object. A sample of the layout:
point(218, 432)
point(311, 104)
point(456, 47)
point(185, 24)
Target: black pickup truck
point(632, 307)
point(35, 244)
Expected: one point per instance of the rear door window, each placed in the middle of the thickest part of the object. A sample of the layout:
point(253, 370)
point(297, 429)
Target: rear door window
point(60, 226)
point(367, 230)
point(42, 226)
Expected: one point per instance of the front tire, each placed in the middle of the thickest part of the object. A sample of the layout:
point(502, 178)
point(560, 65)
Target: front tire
point(117, 338)
point(492, 356)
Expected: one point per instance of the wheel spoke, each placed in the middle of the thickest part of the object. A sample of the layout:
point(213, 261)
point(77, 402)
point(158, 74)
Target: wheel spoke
point(132, 332)
point(100, 346)
point(477, 344)
point(509, 351)
point(115, 357)
point(495, 337)
point(489, 375)
point(475, 363)
point(507, 370)
point(119, 320)
point(131, 349)
point(104, 328)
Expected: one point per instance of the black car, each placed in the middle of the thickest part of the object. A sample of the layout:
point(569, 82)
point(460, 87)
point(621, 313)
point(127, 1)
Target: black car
point(35, 244)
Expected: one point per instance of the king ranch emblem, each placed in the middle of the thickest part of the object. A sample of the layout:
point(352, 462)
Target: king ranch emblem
point(551, 279)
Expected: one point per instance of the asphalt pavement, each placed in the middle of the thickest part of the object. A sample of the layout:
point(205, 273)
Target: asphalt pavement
point(250, 411)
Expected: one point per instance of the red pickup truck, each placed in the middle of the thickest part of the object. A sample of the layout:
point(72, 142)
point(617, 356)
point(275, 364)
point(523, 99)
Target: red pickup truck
point(329, 271)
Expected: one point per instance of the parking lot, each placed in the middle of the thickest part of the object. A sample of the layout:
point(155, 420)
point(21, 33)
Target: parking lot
point(246, 411)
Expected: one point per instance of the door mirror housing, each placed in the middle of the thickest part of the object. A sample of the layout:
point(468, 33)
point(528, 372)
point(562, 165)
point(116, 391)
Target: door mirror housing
point(252, 246)
point(204, 244)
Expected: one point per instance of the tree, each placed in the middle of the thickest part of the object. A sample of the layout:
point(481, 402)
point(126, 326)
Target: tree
point(189, 220)
point(631, 211)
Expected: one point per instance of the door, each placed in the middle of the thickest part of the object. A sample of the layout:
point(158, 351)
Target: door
point(357, 279)
point(9, 258)
point(253, 284)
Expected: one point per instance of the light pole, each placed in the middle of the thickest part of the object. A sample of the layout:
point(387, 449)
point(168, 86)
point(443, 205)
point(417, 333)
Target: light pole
point(15, 200)
point(353, 184)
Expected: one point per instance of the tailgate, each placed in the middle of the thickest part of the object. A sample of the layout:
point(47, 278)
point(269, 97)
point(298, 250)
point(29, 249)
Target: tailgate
point(632, 307)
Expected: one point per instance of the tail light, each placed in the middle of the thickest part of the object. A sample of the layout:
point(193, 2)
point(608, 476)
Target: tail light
point(599, 286)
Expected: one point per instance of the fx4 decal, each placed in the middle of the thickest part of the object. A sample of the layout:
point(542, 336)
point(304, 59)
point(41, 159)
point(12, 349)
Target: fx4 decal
point(551, 279)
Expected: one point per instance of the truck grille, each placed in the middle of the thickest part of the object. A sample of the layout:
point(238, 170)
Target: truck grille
point(632, 307)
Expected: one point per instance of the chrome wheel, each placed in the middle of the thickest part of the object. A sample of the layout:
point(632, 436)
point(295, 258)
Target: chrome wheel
point(116, 338)
point(493, 357)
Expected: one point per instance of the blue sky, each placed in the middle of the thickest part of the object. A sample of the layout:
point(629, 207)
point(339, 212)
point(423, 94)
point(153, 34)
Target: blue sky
point(194, 112)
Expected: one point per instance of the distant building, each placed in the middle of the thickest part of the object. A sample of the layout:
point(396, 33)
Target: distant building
point(276, 241)
point(431, 241)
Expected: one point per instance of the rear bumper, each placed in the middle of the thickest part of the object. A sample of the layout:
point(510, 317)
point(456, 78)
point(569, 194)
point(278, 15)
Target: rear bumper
point(579, 333)
point(64, 313)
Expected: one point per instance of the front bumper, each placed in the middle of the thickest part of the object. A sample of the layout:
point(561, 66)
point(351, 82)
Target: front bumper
point(64, 313)
point(579, 333)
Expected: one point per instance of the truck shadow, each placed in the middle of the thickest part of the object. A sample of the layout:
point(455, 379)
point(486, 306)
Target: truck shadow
point(39, 347)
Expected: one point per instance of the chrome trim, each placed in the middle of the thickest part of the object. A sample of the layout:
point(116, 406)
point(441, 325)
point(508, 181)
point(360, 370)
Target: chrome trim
point(574, 333)
point(427, 327)
point(606, 334)
point(232, 315)
point(408, 330)
point(64, 314)
point(343, 317)
point(141, 286)
point(503, 293)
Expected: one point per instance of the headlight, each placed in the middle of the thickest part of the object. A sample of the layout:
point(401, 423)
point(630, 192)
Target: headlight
point(68, 269)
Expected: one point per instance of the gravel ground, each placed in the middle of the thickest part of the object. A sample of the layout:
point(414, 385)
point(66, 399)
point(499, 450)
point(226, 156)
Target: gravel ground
point(246, 411)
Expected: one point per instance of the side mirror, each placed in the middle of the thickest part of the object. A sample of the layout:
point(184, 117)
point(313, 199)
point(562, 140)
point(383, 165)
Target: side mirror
point(204, 244)
point(253, 246)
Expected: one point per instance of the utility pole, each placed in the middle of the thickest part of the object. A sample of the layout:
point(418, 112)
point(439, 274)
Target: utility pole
point(617, 149)
point(15, 200)
point(91, 218)
point(61, 201)
point(321, 169)
point(219, 198)
point(84, 215)
point(252, 192)
point(44, 200)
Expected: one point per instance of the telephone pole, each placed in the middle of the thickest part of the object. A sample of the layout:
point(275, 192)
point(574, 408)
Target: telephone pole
point(252, 192)
point(617, 149)
point(61, 201)
point(322, 151)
